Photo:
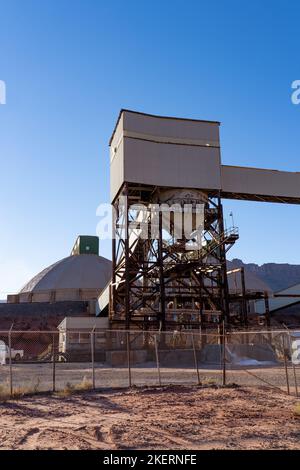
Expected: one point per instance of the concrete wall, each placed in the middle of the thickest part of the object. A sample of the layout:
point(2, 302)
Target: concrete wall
point(39, 316)
point(58, 295)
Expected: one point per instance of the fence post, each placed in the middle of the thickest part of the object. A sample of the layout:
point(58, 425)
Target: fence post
point(294, 368)
point(285, 367)
point(93, 356)
point(295, 379)
point(128, 357)
point(157, 360)
point(53, 363)
point(10, 363)
point(195, 359)
point(224, 355)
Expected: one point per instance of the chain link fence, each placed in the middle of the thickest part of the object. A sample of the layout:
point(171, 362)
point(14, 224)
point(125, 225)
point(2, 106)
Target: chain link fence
point(63, 361)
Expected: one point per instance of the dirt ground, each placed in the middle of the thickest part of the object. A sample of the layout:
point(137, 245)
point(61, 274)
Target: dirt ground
point(155, 418)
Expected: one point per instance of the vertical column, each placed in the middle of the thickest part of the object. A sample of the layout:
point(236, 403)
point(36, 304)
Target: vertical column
point(10, 362)
point(127, 262)
point(224, 289)
point(244, 301)
point(92, 337)
point(267, 309)
point(112, 303)
point(128, 358)
point(161, 276)
point(53, 363)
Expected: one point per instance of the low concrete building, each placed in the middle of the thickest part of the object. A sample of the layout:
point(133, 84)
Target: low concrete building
point(76, 338)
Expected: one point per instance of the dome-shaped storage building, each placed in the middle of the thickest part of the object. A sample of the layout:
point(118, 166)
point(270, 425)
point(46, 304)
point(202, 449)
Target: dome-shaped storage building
point(80, 276)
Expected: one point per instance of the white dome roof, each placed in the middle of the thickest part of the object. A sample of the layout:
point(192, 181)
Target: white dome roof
point(78, 272)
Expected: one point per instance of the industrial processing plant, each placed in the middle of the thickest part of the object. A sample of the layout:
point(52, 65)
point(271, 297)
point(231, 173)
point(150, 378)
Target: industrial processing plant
point(170, 243)
point(149, 270)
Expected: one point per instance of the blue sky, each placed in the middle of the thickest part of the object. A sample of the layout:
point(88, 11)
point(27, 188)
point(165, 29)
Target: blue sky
point(70, 65)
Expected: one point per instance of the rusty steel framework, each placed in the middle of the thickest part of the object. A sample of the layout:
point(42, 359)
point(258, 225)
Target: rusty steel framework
point(239, 302)
point(158, 283)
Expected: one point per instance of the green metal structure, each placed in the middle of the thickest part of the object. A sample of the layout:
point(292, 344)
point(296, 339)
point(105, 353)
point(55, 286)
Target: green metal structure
point(86, 245)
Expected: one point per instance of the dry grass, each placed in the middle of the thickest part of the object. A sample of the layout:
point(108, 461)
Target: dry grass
point(209, 382)
point(69, 388)
point(4, 393)
point(85, 384)
point(33, 388)
point(20, 391)
point(297, 410)
point(66, 391)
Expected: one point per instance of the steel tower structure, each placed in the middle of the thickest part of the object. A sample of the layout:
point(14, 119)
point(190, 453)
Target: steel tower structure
point(169, 280)
point(162, 278)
